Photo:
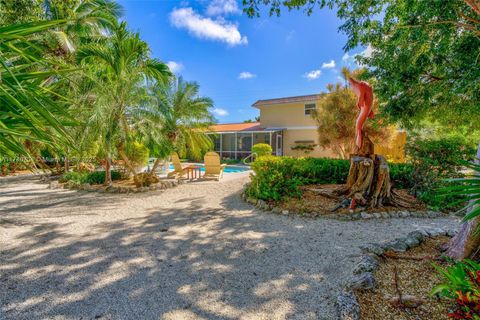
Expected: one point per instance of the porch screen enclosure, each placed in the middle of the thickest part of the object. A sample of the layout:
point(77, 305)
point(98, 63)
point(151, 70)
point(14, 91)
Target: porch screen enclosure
point(238, 145)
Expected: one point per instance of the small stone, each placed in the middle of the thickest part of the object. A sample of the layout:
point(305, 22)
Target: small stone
point(356, 216)
point(365, 215)
point(54, 185)
point(252, 200)
point(372, 248)
point(436, 232)
point(411, 242)
point(285, 212)
point(398, 245)
point(385, 215)
point(394, 214)
point(405, 214)
point(433, 214)
point(377, 215)
point(418, 235)
point(364, 281)
point(276, 210)
point(347, 306)
point(451, 232)
point(368, 263)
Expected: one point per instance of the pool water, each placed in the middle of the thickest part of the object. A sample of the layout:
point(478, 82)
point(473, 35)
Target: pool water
point(228, 169)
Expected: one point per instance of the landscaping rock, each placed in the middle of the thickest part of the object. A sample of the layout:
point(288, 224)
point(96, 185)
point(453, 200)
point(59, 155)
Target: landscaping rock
point(377, 215)
point(404, 214)
point(364, 281)
point(418, 235)
point(368, 263)
point(372, 248)
point(276, 210)
point(365, 215)
point(54, 185)
point(385, 215)
point(398, 245)
point(347, 306)
point(285, 212)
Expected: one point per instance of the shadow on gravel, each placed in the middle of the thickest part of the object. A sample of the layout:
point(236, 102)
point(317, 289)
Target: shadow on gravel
point(193, 262)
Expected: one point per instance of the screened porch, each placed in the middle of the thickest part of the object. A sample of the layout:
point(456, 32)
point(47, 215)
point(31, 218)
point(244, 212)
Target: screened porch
point(238, 145)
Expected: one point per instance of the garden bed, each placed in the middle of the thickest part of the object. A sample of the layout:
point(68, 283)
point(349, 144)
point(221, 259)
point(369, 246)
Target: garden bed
point(415, 277)
point(315, 203)
point(117, 186)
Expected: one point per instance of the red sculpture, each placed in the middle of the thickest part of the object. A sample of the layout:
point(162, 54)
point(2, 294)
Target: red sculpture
point(364, 92)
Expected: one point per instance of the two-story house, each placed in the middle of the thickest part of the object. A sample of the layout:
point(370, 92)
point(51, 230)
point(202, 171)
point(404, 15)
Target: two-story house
point(285, 124)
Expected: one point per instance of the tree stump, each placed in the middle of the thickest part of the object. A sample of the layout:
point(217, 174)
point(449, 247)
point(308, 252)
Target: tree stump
point(368, 182)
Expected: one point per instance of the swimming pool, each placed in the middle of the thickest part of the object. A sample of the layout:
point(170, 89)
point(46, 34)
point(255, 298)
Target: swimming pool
point(228, 169)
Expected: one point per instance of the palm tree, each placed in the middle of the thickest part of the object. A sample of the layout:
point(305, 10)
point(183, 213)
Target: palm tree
point(184, 118)
point(121, 67)
point(30, 110)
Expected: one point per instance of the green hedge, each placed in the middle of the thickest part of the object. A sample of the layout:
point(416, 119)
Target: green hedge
point(96, 177)
point(277, 177)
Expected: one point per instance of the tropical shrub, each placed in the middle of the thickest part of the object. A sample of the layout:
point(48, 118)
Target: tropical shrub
point(262, 149)
point(137, 153)
point(274, 178)
point(277, 177)
point(435, 160)
point(462, 284)
point(96, 177)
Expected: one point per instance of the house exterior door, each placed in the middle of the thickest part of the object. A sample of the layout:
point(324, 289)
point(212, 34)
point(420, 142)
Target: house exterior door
point(279, 149)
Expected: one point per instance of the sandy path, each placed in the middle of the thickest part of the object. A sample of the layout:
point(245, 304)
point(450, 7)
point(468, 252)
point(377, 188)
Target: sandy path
point(193, 252)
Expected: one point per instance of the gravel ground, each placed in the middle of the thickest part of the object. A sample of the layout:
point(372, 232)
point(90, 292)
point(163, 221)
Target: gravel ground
point(193, 252)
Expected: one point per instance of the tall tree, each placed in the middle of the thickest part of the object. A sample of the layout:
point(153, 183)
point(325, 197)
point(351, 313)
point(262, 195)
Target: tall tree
point(425, 57)
point(122, 66)
point(29, 108)
point(184, 117)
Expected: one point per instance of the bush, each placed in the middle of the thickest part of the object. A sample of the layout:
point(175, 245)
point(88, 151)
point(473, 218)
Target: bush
point(96, 177)
point(433, 161)
point(462, 284)
point(137, 153)
point(277, 177)
point(262, 149)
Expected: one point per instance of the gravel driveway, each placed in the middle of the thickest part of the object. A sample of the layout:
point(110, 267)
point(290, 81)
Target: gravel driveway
point(193, 252)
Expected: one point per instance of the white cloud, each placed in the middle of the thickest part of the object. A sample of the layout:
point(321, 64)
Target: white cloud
point(246, 75)
point(206, 28)
point(174, 66)
point(220, 7)
point(346, 57)
point(350, 59)
point(312, 75)
point(329, 65)
point(220, 112)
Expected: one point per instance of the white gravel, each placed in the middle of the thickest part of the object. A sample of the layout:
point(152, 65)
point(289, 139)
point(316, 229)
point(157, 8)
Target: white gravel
point(193, 252)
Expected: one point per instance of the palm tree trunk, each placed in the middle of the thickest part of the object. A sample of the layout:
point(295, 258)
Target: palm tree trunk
point(66, 164)
point(467, 241)
point(155, 166)
point(108, 172)
point(128, 164)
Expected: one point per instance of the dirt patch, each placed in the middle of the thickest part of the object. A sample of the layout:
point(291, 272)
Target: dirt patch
point(415, 277)
point(314, 201)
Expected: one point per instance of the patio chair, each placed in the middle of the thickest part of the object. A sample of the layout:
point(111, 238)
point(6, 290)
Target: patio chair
point(178, 170)
point(213, 168)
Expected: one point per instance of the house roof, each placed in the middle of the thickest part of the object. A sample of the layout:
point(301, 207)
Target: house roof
point(267, 102)
point(226, 127)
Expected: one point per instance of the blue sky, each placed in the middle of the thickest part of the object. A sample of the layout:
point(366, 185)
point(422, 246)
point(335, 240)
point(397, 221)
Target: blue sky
point(238, 60)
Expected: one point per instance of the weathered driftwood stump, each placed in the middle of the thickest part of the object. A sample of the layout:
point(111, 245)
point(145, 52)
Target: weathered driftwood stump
point(368, 182)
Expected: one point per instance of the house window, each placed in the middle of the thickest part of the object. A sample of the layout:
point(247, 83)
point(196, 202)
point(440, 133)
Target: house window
point(309, 108)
